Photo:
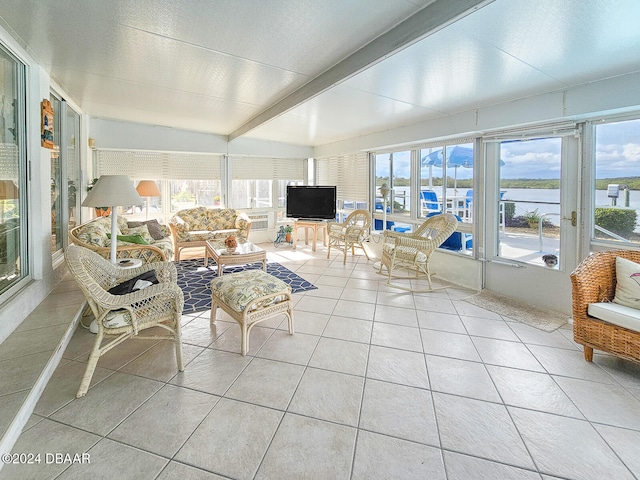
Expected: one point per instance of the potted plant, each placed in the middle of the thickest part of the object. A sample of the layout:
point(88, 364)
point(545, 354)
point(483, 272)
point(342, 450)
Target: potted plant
point(100, 211)
point(287, 233)
point(532, 217)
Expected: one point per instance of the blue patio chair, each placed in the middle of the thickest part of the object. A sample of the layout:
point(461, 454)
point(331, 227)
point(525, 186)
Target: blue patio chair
point(429, 202)
point(469, 198)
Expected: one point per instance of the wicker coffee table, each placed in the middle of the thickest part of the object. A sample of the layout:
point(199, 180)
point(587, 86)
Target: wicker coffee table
point(245, 252)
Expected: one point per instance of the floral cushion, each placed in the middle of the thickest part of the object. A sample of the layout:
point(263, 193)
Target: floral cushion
point(421, 257)
point(156, 229)
point(201, 236)
point(95, 232)
point(237, 290)
point(142, 230)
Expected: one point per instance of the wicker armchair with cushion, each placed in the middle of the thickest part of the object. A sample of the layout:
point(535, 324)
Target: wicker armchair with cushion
point(350, 234)
point(123, 315)
point(412, 251)
point(600, 321)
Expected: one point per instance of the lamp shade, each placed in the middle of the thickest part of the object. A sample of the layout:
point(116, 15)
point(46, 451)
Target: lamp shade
point(8, 190)
point(112, 191)
point(148, 188)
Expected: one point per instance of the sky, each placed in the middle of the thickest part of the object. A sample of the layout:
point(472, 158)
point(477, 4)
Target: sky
point(617, 155)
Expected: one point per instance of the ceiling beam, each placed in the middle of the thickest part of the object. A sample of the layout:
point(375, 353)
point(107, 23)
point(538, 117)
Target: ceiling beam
point(421, 24)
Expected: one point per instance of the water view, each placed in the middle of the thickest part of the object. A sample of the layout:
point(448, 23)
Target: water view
point(546, 201)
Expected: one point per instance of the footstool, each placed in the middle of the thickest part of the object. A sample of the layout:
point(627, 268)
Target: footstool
point(250, 297)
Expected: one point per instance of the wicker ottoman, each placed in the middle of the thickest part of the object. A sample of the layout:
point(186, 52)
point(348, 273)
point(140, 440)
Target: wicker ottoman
point(250, 297)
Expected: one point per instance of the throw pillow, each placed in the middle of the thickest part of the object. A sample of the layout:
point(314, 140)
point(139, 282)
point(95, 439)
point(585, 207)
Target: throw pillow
point(137, 239)
point(627, 283)
point(142, 230)
point(136, 283)
point(152, 225)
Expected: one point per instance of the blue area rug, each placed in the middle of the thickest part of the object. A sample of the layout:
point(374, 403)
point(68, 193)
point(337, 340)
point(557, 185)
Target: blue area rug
point(194, 280)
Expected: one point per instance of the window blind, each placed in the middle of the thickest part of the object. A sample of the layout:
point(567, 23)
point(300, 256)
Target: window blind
point(158, 165)
point(558, 129)
point(349, 173)
point(258, 168)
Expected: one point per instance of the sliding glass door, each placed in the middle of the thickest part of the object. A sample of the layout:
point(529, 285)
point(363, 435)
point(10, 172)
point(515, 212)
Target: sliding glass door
point(13, 175)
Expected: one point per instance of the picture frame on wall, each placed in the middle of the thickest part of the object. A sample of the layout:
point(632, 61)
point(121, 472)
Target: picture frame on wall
point(47, 124)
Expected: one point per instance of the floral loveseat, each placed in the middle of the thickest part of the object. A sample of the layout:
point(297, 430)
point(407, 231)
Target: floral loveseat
point(95, 235)
point(192, 227)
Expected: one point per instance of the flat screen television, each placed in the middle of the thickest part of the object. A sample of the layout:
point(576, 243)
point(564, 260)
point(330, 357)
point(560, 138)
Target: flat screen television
point(311, 202)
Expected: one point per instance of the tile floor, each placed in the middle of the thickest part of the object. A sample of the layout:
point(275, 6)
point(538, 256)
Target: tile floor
point(376, 383)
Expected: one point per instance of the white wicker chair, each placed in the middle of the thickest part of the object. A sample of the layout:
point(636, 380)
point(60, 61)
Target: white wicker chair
point(413, 251)
point(350, 234)
point(158, 305)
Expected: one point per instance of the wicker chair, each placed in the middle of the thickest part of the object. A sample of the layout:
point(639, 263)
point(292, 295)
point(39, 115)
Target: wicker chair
point(412, 251)
point(594, 280)
point(158, 305)
point(350, 234)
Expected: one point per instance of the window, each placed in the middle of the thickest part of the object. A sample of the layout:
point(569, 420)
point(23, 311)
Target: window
point(184, 179)
point(616, 195)
point(260, 183)
point(529, 204)
point(13, 178)
point(348, 173)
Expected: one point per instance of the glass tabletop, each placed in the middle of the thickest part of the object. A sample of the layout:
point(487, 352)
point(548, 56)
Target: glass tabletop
point(244, 247)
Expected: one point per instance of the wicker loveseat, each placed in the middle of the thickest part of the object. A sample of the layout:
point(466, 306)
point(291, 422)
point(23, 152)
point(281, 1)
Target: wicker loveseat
point(594, 314)
point(192, 227)
point(94, 235)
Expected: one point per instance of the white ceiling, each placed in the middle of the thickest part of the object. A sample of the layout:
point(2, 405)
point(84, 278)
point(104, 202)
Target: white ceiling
point(214, 65)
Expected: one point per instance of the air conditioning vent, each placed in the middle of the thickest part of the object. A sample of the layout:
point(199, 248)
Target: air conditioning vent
point(259, 221)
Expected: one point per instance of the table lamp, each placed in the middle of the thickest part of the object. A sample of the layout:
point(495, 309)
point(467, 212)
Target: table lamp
point(148, 188)
point(113, 191)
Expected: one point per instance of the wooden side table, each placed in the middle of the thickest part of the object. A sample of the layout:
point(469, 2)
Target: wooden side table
point(314, 225)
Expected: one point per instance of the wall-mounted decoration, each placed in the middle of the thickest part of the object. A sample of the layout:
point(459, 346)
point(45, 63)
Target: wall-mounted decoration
point(47, 124)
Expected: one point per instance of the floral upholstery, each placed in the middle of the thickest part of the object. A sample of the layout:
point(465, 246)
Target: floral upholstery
point(93, 235)
point(237, 290)
point(193, 226)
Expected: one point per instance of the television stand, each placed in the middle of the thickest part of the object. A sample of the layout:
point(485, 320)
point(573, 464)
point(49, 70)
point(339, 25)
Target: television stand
point(314, 225)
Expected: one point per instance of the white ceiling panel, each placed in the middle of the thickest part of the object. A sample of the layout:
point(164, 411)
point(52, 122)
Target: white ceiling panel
point(303, 36)
point(452, 71)
point(216, 65)
point(570, 40)
point(341, 113)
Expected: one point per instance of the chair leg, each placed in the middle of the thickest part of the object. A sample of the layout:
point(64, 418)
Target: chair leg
point(94, 356)
point(244, 340)
point(588, 354)
point(214, 310)
point(365, 251)
point(178, 340)
point(290, 315)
